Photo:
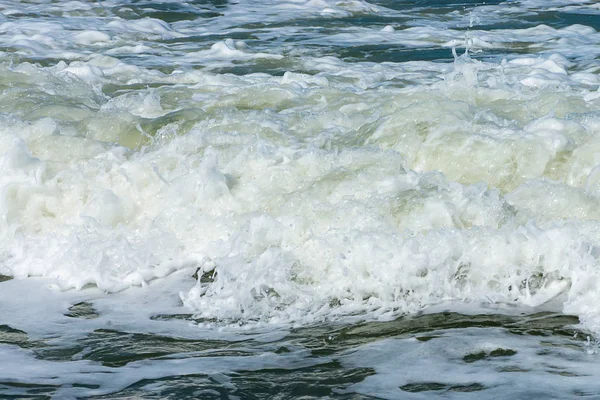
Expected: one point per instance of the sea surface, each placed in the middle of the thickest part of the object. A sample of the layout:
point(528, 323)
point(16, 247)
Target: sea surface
point(299, 199)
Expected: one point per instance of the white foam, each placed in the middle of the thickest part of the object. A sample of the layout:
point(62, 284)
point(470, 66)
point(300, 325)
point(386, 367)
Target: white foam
point(292, 228)
point(91, 37)
point(367, 188)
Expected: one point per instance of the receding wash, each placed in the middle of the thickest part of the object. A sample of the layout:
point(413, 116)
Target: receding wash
point(285, 199)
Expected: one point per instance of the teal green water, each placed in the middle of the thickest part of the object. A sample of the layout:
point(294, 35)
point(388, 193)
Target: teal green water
point(327, 378)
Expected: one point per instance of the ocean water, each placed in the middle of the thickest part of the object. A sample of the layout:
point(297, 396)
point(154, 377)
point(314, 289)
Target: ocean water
point(302, 199)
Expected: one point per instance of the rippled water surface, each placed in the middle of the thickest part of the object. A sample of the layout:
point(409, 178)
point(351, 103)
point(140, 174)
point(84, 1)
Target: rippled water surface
point(299, 199)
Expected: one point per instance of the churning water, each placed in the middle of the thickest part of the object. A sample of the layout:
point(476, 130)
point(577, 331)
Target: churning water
point(299, 199)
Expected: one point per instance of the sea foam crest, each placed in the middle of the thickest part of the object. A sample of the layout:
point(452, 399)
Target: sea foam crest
point(304, 198)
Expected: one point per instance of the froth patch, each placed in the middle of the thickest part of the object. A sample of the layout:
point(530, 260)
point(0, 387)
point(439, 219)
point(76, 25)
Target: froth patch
point(364, 189)
point(90, 37)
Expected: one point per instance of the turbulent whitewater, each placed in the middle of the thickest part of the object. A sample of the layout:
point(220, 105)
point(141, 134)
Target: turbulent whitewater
point(307, 162)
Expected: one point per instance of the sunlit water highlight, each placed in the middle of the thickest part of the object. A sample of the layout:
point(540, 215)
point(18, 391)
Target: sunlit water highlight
point(277, 199)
